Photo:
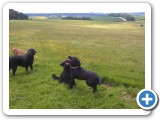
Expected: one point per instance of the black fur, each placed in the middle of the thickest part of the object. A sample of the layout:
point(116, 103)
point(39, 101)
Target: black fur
point(23, 60)
point(65, 75)
point(91, 78)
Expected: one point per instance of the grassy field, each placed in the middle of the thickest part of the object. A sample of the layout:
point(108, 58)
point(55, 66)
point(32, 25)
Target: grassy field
point(114, 50)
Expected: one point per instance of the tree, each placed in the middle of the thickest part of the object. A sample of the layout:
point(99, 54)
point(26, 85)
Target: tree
point(15, 15)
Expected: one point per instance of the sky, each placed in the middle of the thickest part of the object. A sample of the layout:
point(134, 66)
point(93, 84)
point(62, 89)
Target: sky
point(77, 7)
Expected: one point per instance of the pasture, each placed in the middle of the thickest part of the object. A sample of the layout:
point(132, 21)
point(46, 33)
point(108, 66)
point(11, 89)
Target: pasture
point(114, 50)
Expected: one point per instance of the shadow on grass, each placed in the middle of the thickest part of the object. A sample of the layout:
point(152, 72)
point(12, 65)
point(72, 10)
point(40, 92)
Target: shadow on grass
point(110, 82)
point(21, 73)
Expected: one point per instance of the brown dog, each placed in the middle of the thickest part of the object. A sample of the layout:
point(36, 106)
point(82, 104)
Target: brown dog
point(17, 52)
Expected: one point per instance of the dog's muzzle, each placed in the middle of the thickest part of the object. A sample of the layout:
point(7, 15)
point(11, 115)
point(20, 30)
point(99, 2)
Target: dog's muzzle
point(68, 60)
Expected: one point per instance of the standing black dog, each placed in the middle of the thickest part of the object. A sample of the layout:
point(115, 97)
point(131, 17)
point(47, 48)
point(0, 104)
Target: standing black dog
point(23, 60)
point(91, 78)
point(65, 75)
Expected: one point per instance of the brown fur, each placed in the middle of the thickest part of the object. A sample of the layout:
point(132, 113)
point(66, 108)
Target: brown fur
point(17, 51)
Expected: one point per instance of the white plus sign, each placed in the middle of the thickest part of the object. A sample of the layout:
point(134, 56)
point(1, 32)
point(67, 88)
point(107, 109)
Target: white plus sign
point(147, 99)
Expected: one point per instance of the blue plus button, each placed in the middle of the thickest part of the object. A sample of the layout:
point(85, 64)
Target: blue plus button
point(147, 99)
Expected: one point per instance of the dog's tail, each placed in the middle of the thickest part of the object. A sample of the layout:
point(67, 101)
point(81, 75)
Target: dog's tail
point(55, 77)
point(100, 81)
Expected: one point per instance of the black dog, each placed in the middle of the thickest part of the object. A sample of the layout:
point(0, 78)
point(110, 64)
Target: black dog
point(91, 78)
point(65, 75)
point(23, 60)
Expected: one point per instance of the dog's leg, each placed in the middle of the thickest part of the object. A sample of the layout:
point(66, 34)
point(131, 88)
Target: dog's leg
point(31, 67)
point(94, 89)
point(55, 77)
point(71, 82)
point(14, 70)
point(93, 86)
point(74, 83)
point(61, 80)
point(27, 68)
point(67, 80)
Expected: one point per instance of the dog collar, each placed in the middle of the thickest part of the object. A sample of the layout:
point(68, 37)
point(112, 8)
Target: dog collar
point(74, 67)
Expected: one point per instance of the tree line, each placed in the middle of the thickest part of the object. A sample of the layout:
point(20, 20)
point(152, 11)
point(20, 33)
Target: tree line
point(76, 18)
point(15, 15)
point(126, 16)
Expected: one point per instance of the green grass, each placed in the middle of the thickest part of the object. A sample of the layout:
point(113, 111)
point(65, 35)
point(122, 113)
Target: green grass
point(114, 50)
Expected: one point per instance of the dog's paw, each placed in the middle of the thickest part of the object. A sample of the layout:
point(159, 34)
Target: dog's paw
point(54, 77)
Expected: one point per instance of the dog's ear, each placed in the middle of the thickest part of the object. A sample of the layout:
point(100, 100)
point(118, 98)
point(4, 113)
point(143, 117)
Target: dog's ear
point(76, 61)
point(69, 57)
point(62, 64)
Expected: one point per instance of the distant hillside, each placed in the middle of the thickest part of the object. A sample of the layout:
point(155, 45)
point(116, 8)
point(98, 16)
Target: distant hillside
point(66, 14)
point(91, 16)
point(79, 14)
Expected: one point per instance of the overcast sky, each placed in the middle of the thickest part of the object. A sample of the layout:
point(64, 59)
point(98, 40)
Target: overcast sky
point(77, 7)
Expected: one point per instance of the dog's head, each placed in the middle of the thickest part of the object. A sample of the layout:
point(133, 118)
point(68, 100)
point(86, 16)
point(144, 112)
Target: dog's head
point(65, 64)
point(74, 61)
point(32, 52)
